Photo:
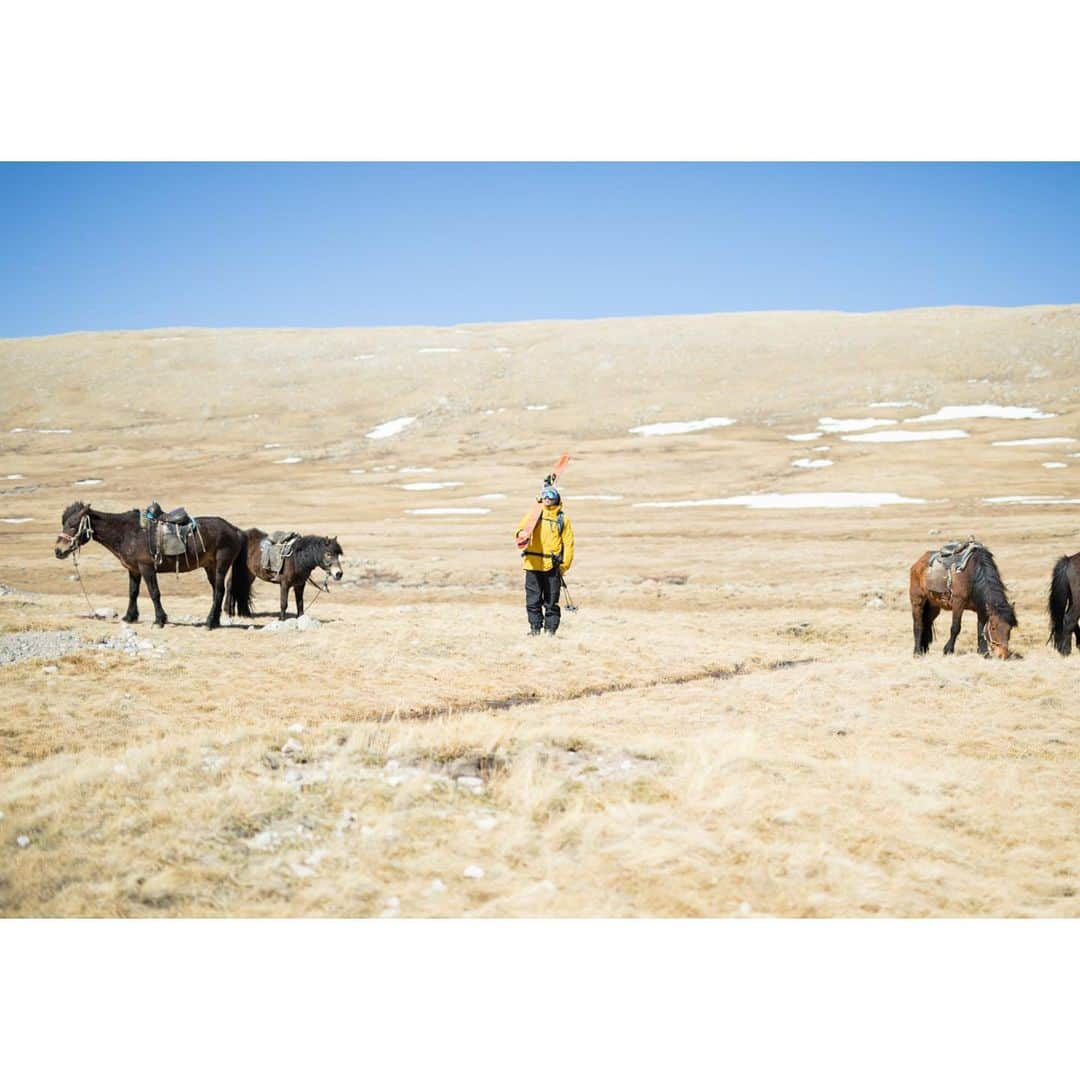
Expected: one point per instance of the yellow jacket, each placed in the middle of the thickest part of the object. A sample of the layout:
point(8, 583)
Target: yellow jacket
point(546, 541)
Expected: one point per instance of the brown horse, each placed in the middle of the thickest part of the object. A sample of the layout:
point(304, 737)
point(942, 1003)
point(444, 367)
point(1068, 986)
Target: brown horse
point(220, 547)
point(978, 587)
point(1063, 603)
point(308, 554)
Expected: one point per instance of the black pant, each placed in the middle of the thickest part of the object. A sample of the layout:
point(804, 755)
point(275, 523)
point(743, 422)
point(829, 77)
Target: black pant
point(542, 599)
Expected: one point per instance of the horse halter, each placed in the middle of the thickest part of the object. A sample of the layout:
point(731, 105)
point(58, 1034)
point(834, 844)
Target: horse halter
point(996, 644)
point(83, 534)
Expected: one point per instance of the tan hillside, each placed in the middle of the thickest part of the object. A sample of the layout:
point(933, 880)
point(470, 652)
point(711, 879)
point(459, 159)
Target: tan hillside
point(731, 724)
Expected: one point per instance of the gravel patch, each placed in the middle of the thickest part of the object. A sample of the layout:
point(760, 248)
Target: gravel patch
point(39, 645)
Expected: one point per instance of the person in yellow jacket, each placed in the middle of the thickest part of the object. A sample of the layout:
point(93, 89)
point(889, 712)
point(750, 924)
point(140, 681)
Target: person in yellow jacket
point(547, 556)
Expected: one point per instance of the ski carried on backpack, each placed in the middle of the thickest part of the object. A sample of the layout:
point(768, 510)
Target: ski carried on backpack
point(525, 533)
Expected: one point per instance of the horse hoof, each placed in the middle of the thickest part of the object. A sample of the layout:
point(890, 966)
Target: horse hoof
point(159, 622)
point(130, 618)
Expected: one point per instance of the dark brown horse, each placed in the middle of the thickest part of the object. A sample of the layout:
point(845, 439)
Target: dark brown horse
point(308, 554)
point(1063, 603)
point(978, 587)
point(219, 548)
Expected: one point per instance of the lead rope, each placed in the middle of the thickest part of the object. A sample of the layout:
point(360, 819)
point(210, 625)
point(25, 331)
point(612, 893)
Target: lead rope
point(75, 560)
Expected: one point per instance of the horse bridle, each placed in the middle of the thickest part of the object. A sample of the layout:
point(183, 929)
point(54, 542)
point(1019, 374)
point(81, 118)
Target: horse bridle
point(83, 534)
point(990, 638)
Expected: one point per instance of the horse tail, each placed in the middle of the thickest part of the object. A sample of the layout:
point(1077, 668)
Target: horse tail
point(1057, 603)
point(926, 639)
point(238, 595)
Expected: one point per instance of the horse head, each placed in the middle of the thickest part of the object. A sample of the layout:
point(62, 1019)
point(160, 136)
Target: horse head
point(75, 530)
point(331, 557)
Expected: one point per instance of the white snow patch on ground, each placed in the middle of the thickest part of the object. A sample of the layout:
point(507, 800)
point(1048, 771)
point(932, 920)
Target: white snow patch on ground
point(391, 427)
point(357, 472)
point(14, 476)
point(422, 485)
point(830, 500)
point(890, 404)
point(54, 431)
point(982, 412)
point(443, 510)
point(88, 483)
point(811, 463)
point(1035, 442)
point(682, 427)
point(831, 425)
point(820, 449)
point(492, 496)
point(414, 468)
point(906, 436)
point(1054, 465)
point(806, 437)
point(536, 408)
point(271, 445)
point(439, 349)
point(16, 430)
point(500, 348)
point(1032, 500)
point(288, 460)
point(15, 521)
point(595, 498)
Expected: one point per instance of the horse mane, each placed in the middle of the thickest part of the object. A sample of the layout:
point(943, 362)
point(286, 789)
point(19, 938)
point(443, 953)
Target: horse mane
point(307, 553)
point(75, 507)
point(987, 588)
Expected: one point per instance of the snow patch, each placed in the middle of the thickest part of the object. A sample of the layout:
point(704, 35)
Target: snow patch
point(829, 500)
point(906, 436)
point(595, 498)
point(88, 482)
point(422, 485)
point(806, 437)
point(831, 425)
point(1033, 500)
point(492, 496)
point(288, 460)
point(682, 427)
point(982, 412)
point(1035, 442)
point(536, 408)
point(811, 463)
point(54, 431)
point(15, 521)
point(439, 349)
point(443, 510)
point(416, 469)
point(890, 404)
point(391, 427)
point(1054, 465)
point(15, 476)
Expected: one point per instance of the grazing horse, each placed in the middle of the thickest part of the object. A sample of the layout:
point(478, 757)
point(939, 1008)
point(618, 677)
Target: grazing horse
point(979, 588)
point(1063, 603)
point(219, 547)
point(309, 553)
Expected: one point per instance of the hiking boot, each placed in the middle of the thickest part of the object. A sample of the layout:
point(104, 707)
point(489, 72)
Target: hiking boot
point(534, 632)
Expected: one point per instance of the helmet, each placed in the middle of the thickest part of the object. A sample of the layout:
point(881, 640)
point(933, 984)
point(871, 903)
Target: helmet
point(551, 493)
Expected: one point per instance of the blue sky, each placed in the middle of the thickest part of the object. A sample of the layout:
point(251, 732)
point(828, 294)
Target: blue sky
point(100, 246)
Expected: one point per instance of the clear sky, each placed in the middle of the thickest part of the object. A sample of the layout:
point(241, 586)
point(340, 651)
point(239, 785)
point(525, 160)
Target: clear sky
point(101, 246)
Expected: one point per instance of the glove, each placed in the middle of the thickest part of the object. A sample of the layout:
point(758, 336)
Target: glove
point(556, 561)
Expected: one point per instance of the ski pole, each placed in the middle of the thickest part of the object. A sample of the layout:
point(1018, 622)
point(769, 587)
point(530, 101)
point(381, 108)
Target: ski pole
point(570, 605)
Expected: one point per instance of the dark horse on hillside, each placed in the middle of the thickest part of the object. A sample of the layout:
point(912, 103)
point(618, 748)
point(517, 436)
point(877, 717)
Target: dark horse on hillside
point(977, 587)
point(220, 548)
point(1063, 603)
point(309, 553)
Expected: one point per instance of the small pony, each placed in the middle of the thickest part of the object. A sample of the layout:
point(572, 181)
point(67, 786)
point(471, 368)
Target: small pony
point(977, 587)
point(1063, 603)
point(308, 554)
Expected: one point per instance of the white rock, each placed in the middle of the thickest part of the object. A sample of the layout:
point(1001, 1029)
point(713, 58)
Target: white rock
point(24, 841)
point(50, 669)
point(297, 728)
point(471, 783)
point(293, 776)
point(306, 622)
point(785, 817)
point(486, 824)
point(473, 872)
point(745, 908)
point(263, 841)
point(437, 886)
point(104, 613)
point(301, 871)
point(144, 644)
point(292, 747)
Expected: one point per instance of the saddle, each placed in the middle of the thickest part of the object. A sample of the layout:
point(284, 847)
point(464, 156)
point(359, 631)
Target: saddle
point(947, 562)
point(169, 533)
point(275, 549)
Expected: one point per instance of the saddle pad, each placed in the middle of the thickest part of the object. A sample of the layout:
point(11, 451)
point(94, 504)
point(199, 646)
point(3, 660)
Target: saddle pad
point(273, 553)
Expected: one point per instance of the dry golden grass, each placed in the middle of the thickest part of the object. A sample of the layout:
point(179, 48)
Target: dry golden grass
point(732, 724)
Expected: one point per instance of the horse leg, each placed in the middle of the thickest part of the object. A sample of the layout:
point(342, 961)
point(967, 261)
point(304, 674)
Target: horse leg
point(284, 598)
point(954, 631)
point(132, 613)
point(917, 625)
point(1070, 625)
point(984, 647)
point(150, 577)
point(298, 590)
point(222, 562)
